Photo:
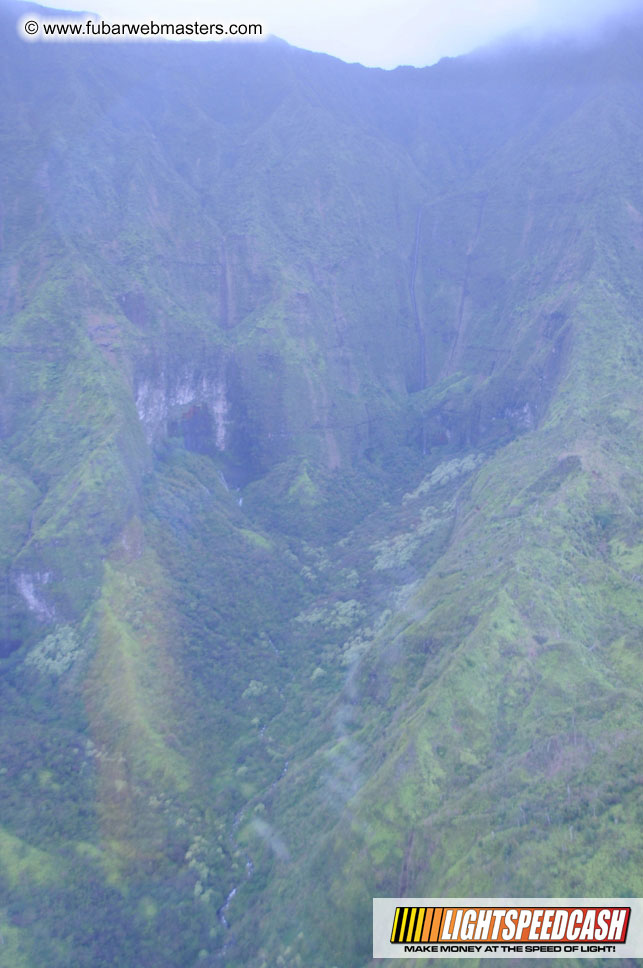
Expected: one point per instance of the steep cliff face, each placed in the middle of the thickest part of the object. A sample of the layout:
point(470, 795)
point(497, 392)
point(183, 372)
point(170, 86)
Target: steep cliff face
point(319, 450)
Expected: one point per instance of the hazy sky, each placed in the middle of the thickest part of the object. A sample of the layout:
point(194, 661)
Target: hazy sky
point(376, 32)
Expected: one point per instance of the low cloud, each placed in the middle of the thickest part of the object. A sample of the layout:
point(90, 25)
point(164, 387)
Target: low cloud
point(384, 33)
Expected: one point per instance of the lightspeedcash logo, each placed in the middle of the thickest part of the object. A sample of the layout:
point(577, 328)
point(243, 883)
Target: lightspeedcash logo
point(507, 927)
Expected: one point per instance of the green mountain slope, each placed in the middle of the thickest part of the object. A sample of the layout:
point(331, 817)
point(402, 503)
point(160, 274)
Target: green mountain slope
point(320, 451)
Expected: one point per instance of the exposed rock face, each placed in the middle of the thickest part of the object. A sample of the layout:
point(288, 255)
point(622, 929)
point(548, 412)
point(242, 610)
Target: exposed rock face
point(178, 397)
point(30, 587)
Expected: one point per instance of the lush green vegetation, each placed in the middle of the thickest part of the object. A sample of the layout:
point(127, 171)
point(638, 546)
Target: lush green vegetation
point(284, 611)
